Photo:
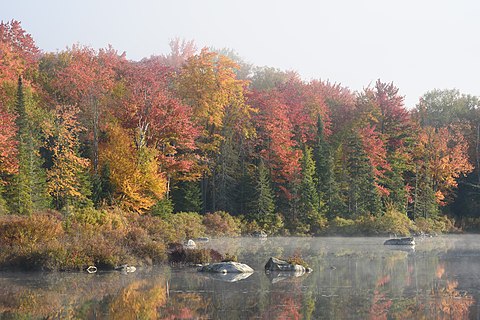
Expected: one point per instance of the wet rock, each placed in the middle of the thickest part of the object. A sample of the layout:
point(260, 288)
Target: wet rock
point(202, 239)
point(274, 264)
point(190, 244)
point(125, 268)
point(410, 241)
point(92, 269)
point(259, 234)
point(226, 267)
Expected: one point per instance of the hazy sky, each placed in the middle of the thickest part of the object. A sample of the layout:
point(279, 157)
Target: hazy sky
point(418, 44)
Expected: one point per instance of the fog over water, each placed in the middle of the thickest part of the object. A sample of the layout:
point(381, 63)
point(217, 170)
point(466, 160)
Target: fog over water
point(353, 278)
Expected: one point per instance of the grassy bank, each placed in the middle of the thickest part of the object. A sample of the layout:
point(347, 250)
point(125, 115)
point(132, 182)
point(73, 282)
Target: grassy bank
point(107, 238)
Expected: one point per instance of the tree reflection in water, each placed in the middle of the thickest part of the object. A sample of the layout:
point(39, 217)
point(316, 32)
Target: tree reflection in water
point(366, 283)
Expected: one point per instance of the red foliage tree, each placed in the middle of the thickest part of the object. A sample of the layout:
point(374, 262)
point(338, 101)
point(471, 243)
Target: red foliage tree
point(18, 57)
point(275, 138)
point(8, 143)
point(158, 116)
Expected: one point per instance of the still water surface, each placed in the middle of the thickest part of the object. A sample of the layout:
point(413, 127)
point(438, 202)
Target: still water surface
point(353, 278)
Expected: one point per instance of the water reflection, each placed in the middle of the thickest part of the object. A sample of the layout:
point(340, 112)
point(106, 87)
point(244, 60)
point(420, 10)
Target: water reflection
point(352, 278)
point(227, 277)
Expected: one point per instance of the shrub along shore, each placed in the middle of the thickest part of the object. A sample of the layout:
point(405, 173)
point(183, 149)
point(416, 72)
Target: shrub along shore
point(107, 238)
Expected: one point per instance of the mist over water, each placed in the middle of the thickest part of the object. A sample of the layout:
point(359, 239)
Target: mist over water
point(353, 278)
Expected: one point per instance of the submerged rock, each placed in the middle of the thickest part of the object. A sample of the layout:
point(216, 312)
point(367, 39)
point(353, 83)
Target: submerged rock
point(274, 264)
point(400, 242)
point(226, 267)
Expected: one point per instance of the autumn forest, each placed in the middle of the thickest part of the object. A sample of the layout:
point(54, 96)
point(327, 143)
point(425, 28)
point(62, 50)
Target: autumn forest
point(204, 133)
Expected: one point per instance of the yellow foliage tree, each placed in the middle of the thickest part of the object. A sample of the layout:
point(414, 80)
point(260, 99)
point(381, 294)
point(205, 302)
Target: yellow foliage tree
point(207, 82)
point(67, 182)
point(134, 170)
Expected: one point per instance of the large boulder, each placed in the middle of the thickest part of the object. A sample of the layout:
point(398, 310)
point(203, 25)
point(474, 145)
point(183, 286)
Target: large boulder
point(226, 267)
point(400, 242)
point(274, 264)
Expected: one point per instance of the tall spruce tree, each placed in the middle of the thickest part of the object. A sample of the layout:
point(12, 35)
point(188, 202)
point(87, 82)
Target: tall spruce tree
point(187, 196)
point(263, 210)
point(309, 205)
point(29, 185)
point(424, 201)
point(364, 198)
point(324, 169)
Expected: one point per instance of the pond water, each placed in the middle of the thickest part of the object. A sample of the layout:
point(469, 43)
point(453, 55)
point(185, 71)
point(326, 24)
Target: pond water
point(353, 278)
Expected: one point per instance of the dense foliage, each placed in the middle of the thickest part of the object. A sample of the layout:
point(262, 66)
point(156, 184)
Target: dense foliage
point(85, 129)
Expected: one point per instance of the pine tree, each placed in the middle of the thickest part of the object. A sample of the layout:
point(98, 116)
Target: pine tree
point(395, 181)
point(29, 185)
point(324, 169)
point(3, 203)
point(364, 198)
point(424, 200)
point(264, 207)
point(102, 188)
point(309, 205)
point(187, 197)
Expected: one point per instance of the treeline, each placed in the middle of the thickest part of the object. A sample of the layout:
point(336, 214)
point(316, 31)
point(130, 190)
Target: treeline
point(203, 131)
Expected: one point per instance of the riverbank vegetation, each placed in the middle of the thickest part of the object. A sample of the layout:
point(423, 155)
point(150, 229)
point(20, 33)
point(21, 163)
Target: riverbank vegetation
point(131, 155)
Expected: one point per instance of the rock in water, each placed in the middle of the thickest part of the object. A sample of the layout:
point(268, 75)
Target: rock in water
point(92, 269)
point(190, 244)
point(226, 267)
point(274, 264)
point(259, 234)
point(400, 242)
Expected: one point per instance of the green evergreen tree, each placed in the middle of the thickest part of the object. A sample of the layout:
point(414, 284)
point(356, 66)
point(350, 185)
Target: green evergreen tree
point(29, 184)
point(364, 197)
point(187, 196)
point(309, 204)
point(263, 210)
point(339, 205)
point(324, 170)
point(246, 189)
point(163, 208)
point(424, 202)
point(102, 187)
point(226, 174)
point(3, 203)
point(395, 182)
